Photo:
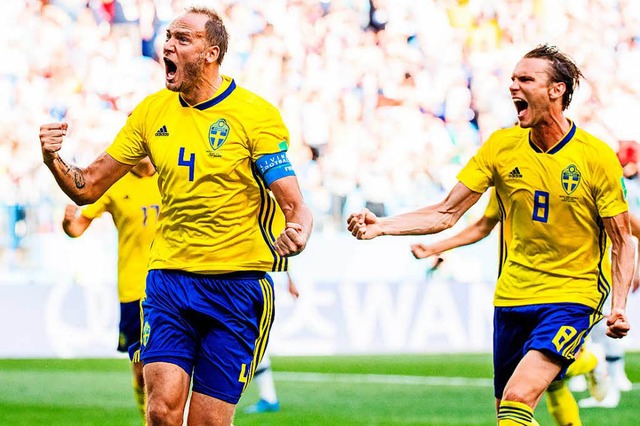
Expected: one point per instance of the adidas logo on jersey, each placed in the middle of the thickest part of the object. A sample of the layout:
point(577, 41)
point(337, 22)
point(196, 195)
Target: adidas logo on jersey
point(515, 173)
point(162, 131)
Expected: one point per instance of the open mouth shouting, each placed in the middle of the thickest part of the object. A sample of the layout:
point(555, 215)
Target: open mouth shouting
point(170, 69)
point(522, 107)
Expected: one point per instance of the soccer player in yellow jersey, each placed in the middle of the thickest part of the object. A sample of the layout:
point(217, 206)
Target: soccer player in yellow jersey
point(134, 205)
point(561, 195)
point(232, 211)
point(561, 403)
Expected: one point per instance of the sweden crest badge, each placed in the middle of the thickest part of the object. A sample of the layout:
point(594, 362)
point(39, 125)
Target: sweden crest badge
point(146, 332)
point(570, 179)
point(218, 133)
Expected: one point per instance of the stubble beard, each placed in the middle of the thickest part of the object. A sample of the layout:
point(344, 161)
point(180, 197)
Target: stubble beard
point(193, 72)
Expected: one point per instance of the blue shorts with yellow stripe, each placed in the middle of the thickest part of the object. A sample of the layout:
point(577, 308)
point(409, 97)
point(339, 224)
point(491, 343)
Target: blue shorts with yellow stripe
point(215, 327)
point(557, 329)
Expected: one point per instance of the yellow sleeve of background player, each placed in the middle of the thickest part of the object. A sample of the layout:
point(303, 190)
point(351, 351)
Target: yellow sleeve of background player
point(493, 208)
point(96, 209)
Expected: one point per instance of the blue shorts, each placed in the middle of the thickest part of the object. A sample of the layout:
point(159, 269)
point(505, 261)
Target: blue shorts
point(215, 327)
point(557, 329)
point(129, 325)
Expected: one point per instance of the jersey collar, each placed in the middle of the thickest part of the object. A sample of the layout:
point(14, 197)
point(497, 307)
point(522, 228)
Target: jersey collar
point(565, 140)
point(213, 101)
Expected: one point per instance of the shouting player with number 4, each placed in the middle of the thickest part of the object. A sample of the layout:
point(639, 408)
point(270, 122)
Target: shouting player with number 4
point(561, 196)
point(231, 211)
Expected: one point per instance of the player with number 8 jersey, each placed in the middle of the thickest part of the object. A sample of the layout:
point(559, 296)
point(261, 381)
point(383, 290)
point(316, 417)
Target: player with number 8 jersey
point(561, 200)
point(550, 198)
point(205, 155)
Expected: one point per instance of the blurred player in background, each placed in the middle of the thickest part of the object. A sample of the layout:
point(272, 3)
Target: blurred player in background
point(561, 403)
point(268, 398)
point(232, 211)
point(134, 205)
point(559, 189)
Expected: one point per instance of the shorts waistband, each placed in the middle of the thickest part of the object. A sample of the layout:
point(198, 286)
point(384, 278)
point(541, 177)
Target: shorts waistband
point(238, 275)
point(241, 275)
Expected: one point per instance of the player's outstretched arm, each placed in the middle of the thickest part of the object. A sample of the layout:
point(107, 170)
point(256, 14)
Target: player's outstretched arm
point(297, 215)
point(82, 185)
point(471, 234)
point(622, 267)
point(427, 220)
point(74, 224)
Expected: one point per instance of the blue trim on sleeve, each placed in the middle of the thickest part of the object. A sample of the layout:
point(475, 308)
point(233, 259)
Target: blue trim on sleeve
point(274, 166)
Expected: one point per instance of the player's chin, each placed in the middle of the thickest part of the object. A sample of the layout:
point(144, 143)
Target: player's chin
point(172, 84)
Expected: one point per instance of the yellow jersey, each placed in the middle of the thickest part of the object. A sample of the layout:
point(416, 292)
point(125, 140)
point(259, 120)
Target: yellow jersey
point(554, 246)
point(134, 205)
point(218, 215)
point(492, 211)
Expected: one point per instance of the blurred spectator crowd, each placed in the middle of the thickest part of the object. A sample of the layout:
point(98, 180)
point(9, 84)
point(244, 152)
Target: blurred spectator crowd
point(384, 99)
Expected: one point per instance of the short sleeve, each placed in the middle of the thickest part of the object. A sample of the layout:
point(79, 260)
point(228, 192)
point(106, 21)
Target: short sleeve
point(129, 146)
point(269, 133)
point(609, 189)
point(477, 174)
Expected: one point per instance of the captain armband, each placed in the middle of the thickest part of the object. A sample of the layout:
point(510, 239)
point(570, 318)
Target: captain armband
point(274, 166)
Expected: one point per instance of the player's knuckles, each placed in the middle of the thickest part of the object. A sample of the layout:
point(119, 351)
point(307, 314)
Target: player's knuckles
point(297, 240)
point(52, 141)
point(290, 232)
point(284, 245)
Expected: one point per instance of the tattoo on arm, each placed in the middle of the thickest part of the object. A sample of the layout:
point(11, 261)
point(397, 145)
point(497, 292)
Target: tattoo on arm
point(78, 176)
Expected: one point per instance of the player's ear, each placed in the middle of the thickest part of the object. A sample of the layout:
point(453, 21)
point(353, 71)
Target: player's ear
point(557, 90)
point(211, 54)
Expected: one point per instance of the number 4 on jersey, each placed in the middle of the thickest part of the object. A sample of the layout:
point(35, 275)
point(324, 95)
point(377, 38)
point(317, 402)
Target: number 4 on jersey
point(191, 162)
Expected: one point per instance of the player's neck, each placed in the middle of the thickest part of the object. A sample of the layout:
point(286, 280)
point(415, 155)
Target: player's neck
point(549, 133)
point(203, 90)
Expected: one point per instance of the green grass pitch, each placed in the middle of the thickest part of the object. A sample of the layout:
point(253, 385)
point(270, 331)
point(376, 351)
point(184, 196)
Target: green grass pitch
point(452, 390)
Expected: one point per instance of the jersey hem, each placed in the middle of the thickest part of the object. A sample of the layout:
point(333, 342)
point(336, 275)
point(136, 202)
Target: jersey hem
point(216, 270)
point(510, 303)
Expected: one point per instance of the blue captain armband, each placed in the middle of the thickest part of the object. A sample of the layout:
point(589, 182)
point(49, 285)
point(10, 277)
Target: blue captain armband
point(274, 166)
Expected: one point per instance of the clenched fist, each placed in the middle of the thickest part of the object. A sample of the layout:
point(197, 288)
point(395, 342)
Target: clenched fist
point(51, 137)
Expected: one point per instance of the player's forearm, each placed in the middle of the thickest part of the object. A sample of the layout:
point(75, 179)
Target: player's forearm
point(86, 185)
point(420, 222)
point(431, 219)
point(622, 268)
point(635, 225)
point(622, 258)
point(300, 214)
point(469, 235)
point(70, 178)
